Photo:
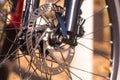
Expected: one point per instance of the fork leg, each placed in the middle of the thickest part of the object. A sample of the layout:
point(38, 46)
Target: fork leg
point(72, 10)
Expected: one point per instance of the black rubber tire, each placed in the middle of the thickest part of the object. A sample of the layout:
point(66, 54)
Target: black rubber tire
point(114, 13)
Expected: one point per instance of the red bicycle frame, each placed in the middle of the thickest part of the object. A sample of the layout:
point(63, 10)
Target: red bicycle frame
point(15, 17)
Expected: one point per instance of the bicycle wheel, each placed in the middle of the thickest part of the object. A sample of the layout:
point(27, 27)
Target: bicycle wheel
point(41, 54)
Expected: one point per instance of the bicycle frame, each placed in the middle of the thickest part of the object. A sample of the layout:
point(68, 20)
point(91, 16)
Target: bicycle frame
point(15, 16)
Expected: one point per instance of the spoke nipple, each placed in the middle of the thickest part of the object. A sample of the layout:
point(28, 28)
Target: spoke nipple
point(107, 68)
point(106, 6)
point(111, 42)
point(110, 24)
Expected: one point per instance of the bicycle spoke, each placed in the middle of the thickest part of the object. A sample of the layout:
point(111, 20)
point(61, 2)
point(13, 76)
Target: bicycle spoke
point(94, 51)
point(101, 10)
point(89, 72)
point(51, 70)
point(96, 31)
point(19, 67)
point(109, 42)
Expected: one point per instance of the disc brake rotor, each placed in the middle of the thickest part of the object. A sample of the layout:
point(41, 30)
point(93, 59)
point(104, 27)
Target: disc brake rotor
point(47, 58)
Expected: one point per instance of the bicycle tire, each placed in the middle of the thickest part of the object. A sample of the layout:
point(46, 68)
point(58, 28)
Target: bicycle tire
point(116, 22)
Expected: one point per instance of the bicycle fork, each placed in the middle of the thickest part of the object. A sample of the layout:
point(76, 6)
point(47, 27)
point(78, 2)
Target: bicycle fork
point(72, 13)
